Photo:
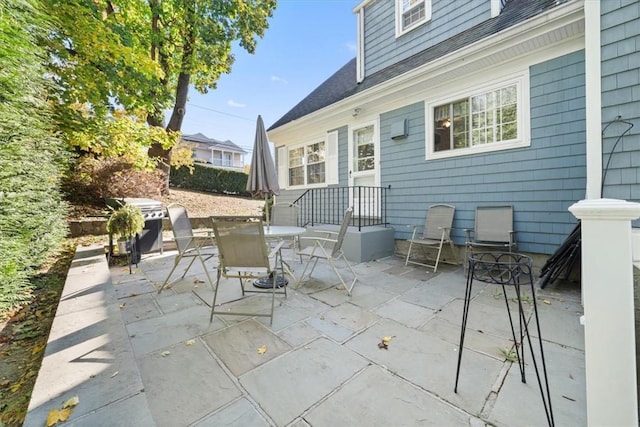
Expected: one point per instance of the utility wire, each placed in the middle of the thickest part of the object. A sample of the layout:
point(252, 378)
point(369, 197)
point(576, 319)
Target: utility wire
point(219, 112)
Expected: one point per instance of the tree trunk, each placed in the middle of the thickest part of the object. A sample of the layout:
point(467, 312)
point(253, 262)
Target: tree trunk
point(182, 89)
point(175, 124)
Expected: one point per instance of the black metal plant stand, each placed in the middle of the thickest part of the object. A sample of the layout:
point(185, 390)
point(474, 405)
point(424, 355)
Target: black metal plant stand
point(133, 254)
point(508, 269)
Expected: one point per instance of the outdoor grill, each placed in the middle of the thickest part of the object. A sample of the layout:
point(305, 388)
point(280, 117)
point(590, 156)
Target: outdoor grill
point(150, 239)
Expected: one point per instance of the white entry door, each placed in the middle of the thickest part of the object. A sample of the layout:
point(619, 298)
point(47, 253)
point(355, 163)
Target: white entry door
point(363, 169)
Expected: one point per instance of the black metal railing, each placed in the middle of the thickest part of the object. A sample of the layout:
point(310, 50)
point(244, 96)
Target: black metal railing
point(327, 205)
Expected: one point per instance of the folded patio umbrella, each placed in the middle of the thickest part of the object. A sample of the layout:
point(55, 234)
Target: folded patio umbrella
point(263, 179)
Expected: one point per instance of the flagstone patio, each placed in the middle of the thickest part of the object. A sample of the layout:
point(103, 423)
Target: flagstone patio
point(135, 357)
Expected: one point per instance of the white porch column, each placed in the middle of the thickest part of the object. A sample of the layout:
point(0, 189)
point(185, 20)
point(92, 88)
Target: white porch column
point(609, 328)
point(593, 98)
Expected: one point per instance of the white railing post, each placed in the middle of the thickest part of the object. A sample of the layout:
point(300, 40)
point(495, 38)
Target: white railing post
point(607, 293)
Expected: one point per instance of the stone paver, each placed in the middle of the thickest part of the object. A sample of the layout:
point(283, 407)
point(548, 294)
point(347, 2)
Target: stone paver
point(237, 346)
point(377, 397)
point(136, 357)
point(291, 384)
point(183, 383)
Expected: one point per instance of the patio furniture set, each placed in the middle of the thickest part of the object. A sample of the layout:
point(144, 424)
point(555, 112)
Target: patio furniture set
point(245, 246)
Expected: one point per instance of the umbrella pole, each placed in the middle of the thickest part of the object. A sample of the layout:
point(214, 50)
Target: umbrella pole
point(266, 210)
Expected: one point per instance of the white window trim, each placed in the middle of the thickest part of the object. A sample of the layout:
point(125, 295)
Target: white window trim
point(524, 122)
point(283, 160)
point(376, 147)
point(427, 17)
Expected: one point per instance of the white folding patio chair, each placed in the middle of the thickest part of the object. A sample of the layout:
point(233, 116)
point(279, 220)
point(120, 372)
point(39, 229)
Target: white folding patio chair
point(435, 233)
point(189, 245)
point(243, 254)
point(329, 248)
point(286, 214)
point(493, 230)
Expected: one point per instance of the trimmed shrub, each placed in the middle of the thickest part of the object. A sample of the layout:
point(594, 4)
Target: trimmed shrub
point(210, 180)
point(94, 180)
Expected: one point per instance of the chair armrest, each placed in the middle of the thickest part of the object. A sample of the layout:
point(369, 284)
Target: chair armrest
point(196, 241)
point(467, 232)
point(415, 230)
point(203, 232)
point(276, 249)
point(318, 239)
point(327, 232)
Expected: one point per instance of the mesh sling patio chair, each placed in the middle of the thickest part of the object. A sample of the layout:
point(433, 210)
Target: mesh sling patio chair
point(435, 234)
point(493, 229)
point(287, 214)
point(189, 245)
point(329, 249)
point(243, 254)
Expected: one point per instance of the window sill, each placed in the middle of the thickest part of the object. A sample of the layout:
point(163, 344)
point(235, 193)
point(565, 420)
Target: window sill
point(478, 149)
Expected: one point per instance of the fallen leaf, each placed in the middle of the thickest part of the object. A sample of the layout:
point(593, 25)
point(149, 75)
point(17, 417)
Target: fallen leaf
point(114, 374)
point(262, 349)
point(56, 416)
point(190, 342)
point(165, 353)
point(384, 343)
point(71, 402)
point(38, 348)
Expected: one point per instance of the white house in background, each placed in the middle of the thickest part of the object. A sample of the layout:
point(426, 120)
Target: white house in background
point(215, 153)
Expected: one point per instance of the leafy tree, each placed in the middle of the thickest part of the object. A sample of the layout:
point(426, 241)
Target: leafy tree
point(32, 216)
point(144, 55)
point(121, 135)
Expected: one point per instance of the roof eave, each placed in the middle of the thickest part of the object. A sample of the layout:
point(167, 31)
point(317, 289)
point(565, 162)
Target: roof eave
point(563, 21)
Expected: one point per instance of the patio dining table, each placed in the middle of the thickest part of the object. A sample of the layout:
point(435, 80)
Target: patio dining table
point(279, 232)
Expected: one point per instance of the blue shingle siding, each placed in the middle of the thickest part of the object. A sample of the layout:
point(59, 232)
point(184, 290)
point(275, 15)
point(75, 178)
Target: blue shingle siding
point(448, 18)
point(541, 181)
point(620, 56)
point(343, 156)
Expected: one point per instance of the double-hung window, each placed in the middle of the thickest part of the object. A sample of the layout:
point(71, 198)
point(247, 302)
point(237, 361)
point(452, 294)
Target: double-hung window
point(489, 119)
point(310, 164)
point(410, 14)
point(307, 164)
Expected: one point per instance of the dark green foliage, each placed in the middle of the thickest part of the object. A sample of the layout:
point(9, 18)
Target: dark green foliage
point(210, 180)
point(32, 214)
point(93, 180)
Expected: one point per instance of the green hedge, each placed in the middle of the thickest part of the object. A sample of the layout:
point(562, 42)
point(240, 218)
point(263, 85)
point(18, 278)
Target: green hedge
point(32, 159)
point(211, 180)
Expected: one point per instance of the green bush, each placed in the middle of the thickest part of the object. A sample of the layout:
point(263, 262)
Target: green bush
point(211, 180)
point(32, 214)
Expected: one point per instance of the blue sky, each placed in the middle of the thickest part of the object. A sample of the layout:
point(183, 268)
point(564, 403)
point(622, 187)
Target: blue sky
point(306, 42)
